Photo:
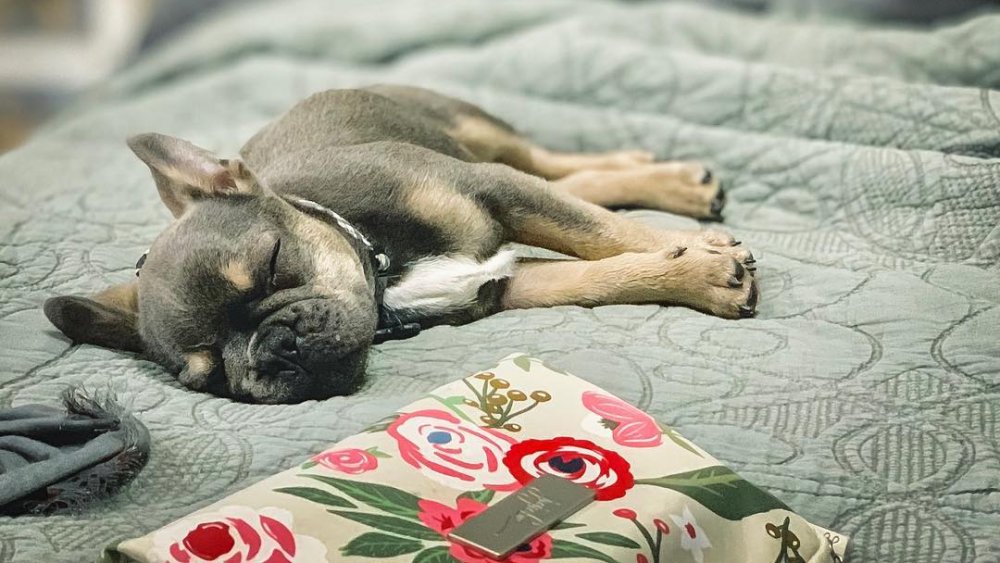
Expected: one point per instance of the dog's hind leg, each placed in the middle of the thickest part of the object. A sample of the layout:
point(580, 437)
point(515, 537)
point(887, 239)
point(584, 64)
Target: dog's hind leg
point(491, 140)
point(610, 179)
point(614, 179)
point(702, 281)
point(683, 188)
point(536, 212)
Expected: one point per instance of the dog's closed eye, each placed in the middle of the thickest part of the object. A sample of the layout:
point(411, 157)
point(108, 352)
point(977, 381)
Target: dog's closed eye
point(272, 277)
point(281, 273)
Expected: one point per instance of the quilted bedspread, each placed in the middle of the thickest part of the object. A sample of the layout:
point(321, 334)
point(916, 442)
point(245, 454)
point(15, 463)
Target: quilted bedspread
point(863, 165)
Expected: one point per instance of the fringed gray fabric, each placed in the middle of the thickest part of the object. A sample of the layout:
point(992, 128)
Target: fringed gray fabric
point(62, 459)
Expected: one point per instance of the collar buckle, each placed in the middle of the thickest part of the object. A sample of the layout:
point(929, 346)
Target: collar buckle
point(396, 332)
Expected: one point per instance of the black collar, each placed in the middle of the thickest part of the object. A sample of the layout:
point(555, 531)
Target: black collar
point(376, 265)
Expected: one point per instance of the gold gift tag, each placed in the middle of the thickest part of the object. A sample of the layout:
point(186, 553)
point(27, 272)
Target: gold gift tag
point(527, 513)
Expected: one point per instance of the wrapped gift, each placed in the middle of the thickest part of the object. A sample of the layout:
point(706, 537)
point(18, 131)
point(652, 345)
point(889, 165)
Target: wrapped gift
point(395, 491)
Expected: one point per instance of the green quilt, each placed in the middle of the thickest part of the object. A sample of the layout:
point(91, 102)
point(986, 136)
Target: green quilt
point(863, 165)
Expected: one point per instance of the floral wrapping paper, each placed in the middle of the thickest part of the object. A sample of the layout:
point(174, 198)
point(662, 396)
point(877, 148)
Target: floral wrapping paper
point(394, 491)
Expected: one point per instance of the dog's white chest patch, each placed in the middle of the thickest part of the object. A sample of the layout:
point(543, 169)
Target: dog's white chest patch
point(443, 284)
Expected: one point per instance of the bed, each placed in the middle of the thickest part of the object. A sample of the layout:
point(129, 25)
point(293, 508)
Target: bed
point(862, 164)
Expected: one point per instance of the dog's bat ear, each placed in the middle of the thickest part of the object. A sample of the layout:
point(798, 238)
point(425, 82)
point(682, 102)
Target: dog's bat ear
point(109, 319)
point(185, 173)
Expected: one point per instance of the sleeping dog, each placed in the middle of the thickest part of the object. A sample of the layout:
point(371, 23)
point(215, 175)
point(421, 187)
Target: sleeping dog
point(360, 213)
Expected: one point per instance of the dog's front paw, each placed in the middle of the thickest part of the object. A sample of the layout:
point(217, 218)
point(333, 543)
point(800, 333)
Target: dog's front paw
point(714, 282)
point(712, 242)
point(701, 277)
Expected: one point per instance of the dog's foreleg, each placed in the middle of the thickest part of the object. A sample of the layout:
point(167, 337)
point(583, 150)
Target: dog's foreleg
point(698, 280)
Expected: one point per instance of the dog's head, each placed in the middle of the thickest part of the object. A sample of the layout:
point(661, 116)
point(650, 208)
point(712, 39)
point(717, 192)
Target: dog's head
point(244, 295)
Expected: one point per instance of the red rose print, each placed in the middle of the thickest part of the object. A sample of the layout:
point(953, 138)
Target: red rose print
point(235, 534)
point(443, 519)
point(580, 461)
point(210, 541)
point(453, 452)
point(625, 424)
point(350, 460)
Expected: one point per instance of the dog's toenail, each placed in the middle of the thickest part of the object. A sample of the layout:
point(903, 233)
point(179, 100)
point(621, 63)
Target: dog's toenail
point(679, 252)
point(740, 271)
point(716, 209)
point(733, 282)
point(707, 177)
point(750, 259)
point(736, 243)
point(752, 299)
point(745, 312)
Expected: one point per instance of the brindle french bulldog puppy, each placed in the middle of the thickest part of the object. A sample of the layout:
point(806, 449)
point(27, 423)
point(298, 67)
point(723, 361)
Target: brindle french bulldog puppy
point(257, 293)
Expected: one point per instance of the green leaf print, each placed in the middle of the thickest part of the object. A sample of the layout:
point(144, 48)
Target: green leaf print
point(484, 496)
point(609, 538)
point(720, 490)
point(374, 544)
point(523, 362)
point(382, 425)
point(438, 554)
point(382, 497)
point(681, 441)
point(378, 453)
point(317, 495)
point(391, 524)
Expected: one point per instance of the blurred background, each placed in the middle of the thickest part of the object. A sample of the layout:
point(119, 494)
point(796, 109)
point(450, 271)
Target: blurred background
point(53, 50)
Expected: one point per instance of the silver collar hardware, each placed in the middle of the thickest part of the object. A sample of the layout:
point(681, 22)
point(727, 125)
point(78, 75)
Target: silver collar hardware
point(390, 326)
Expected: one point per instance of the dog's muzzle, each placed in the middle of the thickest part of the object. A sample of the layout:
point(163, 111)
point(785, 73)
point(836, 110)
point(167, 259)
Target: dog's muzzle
point(311, 349)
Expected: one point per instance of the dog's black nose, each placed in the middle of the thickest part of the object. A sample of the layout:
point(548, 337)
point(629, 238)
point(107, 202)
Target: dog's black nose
point(311, 335)
point(278, 351)
point(282, 341)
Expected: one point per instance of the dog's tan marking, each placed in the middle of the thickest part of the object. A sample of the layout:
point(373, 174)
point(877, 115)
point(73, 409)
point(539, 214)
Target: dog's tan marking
point(567, 224)
point(669, 186)
point(606, 239)
point(123, 297)
point(467, 225)
point(489, 142)
point(696, 279)
point(237, 274)
point(336, 266)
point(554, 165)
point(199, 363)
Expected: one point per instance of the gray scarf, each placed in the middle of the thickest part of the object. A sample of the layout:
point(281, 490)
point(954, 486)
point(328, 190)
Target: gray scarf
point(53, 459)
